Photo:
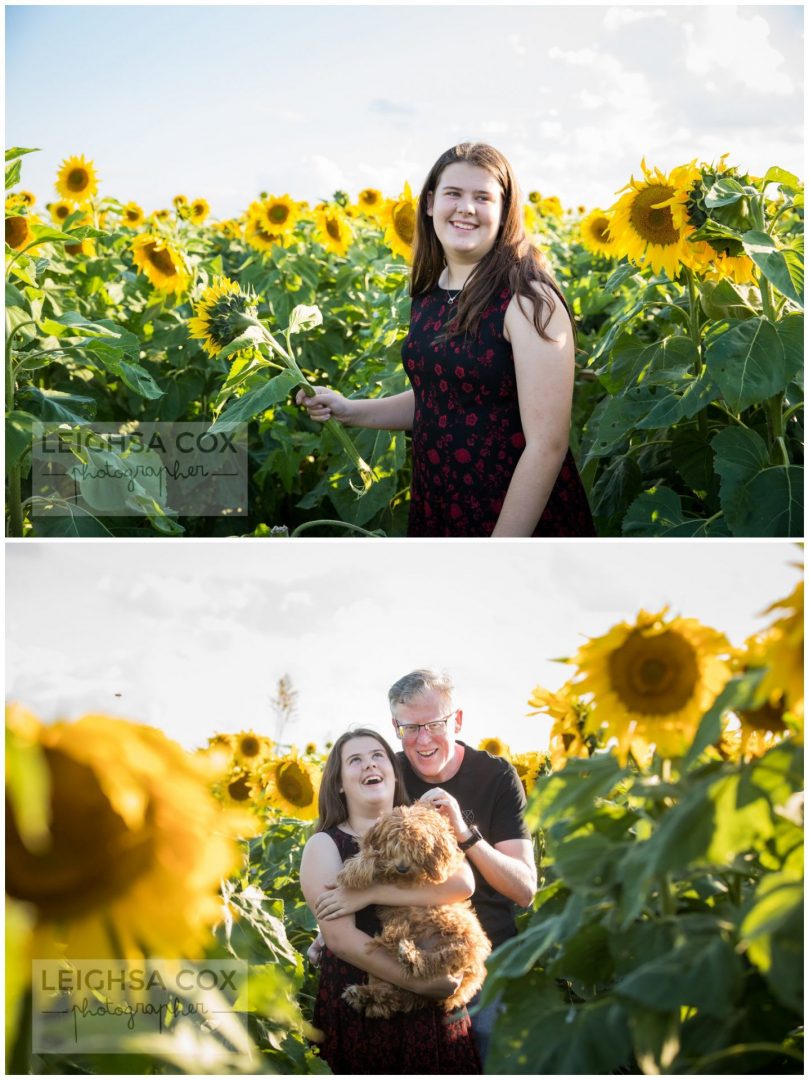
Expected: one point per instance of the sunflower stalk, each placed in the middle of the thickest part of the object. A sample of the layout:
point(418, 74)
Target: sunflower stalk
point(367, 474)
point(696, 337)
point(15, 514)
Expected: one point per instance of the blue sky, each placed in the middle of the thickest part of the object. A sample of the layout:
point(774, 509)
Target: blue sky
point(227, 102)
point(192, 637)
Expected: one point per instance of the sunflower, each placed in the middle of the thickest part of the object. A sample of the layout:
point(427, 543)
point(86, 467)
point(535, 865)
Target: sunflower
point(134, 846)
point(530, 218)
point(530, 765)
point(779, 649)
point(763, 727)
point(198, 211)
point(278, 214)
point(132, 216)
point(180, 202)
point(371, 203)
point(161, 262)
point(291, 785)
point(19, 233)
point(496, 747)
point(535, 197)
point(250, 749)
point(551, 207)
point(595, 234)
point(20, 198)
point(76, 180)
point(231, 228)
point(652, 681)
point(161, 215)
point(643, 224)
point(333, 229)
point(221, 314)
point(310, 749)
point(400, 231)
point(569, 715)
point(60, 210)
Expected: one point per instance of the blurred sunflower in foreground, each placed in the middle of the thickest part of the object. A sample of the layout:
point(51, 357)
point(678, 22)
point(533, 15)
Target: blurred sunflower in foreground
point(113, 841)
point(652, 681)
point(19, 231)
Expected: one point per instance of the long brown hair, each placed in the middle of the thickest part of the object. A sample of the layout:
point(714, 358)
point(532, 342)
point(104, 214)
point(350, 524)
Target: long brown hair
point(512, 263)
point(331, 803)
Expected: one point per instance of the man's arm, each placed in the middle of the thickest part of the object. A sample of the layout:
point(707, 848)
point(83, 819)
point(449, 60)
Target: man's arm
point(508, 866)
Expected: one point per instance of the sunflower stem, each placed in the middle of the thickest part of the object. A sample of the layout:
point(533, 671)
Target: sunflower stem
point(766, 298)
point(667, 904)
point(696, 337)
point(367, 475)
point(14, 475)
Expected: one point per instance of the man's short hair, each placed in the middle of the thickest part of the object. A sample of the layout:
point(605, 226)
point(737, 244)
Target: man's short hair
point(419, 682)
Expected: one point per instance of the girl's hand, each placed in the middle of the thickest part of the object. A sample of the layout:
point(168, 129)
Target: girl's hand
point(324, 404)
point(337, 901)
point(315, 949)
point(437, 988)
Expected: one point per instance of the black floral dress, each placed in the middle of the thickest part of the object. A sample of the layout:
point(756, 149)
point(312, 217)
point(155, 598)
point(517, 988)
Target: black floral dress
point(427, 1041)
point(467, 434)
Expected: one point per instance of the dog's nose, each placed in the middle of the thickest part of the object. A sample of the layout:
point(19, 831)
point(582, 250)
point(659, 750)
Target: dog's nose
point(402, 869)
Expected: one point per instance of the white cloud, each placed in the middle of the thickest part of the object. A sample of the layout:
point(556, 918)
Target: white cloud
point(579, 57)
point(516, 43)
point(726, 41)
point(616, 18)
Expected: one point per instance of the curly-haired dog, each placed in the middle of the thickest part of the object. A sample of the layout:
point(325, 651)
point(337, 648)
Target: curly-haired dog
point(414, 845)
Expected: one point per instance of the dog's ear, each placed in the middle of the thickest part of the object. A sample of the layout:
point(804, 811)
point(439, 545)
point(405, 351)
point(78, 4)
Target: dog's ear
point(357, 872)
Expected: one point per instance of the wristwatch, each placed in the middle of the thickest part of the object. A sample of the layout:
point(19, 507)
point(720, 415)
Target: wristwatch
point(473, 839)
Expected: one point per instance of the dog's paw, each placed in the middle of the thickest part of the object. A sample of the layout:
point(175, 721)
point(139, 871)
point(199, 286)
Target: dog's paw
point(409, 956)
point(357, 998)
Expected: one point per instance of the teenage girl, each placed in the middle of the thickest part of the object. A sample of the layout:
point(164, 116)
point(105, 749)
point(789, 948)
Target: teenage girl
point(490, 359)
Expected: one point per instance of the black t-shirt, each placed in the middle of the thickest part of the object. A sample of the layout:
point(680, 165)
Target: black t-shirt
point(491, 796)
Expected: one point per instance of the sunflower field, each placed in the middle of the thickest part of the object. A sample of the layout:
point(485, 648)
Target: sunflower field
point(666, 935)
point(687, 292)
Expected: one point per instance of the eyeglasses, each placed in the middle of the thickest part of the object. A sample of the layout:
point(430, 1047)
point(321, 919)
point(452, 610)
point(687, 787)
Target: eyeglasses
point(410, 732)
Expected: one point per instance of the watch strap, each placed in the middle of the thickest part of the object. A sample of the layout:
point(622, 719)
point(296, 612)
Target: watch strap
point(473, 839)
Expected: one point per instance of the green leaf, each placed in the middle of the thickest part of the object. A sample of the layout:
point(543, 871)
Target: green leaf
point(256, 402)
point(13, 172)
point(28, 790)
point(783, 268)
point(705, 975)
point(62, 406)
point(571, 791)
point(617, 485)
point(724, 192)
point(621, 274)
point(771, 504)
point(304, 317)
point(738, 694)
point(739, 454)
point(19, 433)
point(747, 361)
point(659, 512)
point(18, 151)
point(777, 175)
point(655, 1038)
point(586, 957)
point(692, 458)
point(68, 520)
point(772, 929)
point(134, 376)
point(790, 331)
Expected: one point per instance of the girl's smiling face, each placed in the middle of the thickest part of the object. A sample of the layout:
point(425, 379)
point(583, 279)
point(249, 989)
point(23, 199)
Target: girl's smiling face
point(466, 208)
point(366, 775)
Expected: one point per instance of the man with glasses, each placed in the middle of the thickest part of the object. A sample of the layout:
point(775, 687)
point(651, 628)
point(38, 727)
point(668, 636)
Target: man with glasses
point(482, 798)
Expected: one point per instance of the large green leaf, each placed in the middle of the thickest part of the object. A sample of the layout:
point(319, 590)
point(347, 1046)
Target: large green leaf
point(747, 361)
point(740, 454)
point(772, 928)
point(790, 331)
point(659, 512)
point(19, 433)
point(771, 504)
point(705, 975)
point(255, 402)
point(692, 458)
point(617, 485)
point(783, 268)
